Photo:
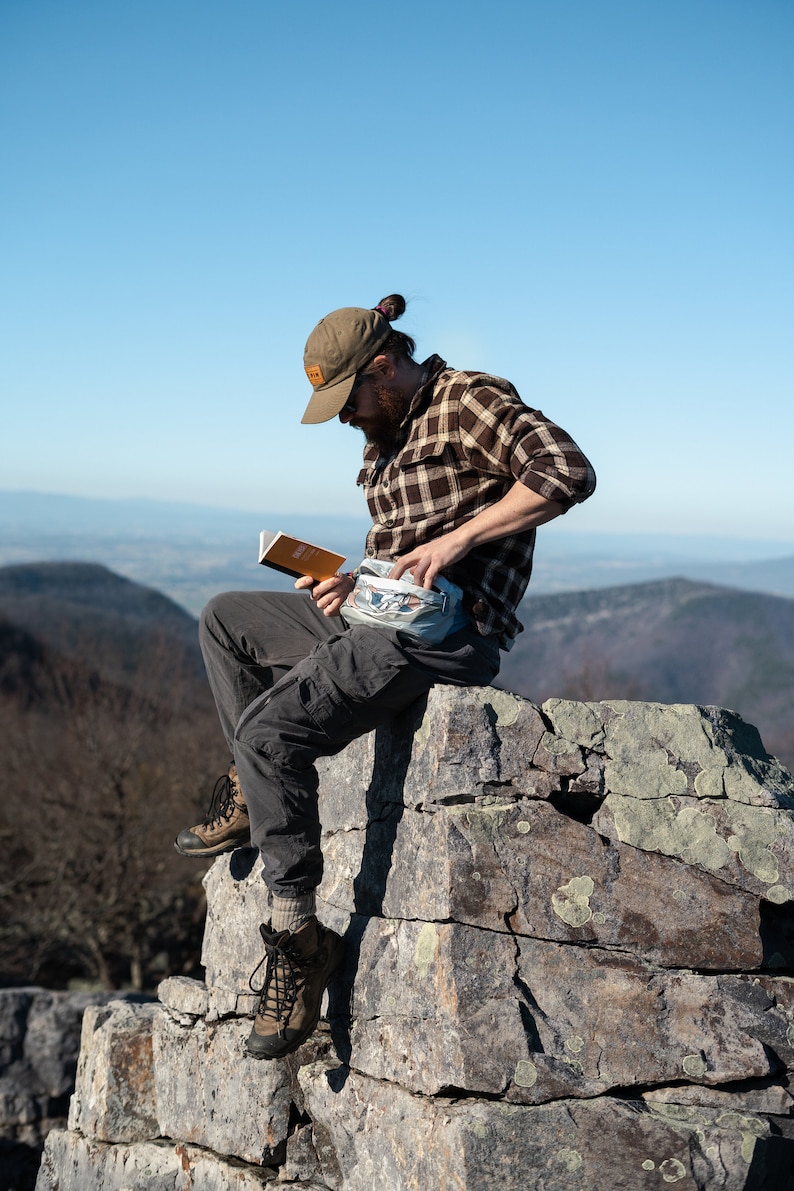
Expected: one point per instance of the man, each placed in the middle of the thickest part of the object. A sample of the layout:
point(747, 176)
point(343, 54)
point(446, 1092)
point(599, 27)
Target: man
point(458, 473)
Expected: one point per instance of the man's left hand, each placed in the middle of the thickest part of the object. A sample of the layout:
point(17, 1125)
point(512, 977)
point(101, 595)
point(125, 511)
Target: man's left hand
point(328, 594)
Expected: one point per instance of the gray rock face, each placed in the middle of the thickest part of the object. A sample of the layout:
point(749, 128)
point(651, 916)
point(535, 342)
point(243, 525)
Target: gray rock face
point(72, 1162)
point(385, 1137)
point(39, 1047)
point(209, 1093)
point(114, 1097)
point(443, 1005)
point(569, 964)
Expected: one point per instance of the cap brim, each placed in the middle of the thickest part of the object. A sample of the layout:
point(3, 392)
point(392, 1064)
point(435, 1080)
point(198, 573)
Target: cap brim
point(327, 402)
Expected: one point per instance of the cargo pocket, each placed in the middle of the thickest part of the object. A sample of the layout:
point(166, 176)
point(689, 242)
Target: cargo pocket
point(363, 661)
point(332, 714)
point(372, 674)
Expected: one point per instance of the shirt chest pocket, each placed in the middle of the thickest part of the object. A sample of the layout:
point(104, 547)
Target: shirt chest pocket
point(426, 475)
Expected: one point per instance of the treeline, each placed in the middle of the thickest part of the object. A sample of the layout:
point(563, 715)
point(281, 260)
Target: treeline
point(100, 775)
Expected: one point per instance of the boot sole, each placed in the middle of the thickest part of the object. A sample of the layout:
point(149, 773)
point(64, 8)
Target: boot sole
point(218, 850)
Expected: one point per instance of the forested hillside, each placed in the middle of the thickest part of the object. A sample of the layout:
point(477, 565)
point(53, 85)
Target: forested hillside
point(109, 745)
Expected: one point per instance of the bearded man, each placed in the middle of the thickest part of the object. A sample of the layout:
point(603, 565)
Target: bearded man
point(458, 473)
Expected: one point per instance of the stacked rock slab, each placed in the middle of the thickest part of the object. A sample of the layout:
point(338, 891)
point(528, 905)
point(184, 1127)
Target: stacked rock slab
point(39, 1045)
point(569, 964)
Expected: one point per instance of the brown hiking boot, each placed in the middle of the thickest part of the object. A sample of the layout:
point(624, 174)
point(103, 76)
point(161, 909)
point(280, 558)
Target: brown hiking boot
point(300, 964)
point(226, 825)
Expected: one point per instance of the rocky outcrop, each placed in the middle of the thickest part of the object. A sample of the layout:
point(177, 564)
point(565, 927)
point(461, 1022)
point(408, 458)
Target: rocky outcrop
point(569, 964)
point(39, 1045)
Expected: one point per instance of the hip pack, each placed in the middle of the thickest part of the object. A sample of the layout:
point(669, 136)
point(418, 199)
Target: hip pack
point(398, 604)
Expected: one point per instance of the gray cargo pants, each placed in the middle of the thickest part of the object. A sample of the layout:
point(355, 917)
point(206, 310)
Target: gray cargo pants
point(291, 685)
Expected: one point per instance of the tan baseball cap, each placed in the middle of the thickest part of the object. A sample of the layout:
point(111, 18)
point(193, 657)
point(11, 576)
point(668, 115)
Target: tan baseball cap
point(340, 345)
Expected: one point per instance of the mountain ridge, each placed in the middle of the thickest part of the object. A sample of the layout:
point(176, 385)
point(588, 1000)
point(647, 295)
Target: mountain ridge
point(85, 613)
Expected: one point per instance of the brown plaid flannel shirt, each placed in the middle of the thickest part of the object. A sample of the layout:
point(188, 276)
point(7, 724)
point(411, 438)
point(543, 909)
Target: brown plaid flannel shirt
point(466, 439)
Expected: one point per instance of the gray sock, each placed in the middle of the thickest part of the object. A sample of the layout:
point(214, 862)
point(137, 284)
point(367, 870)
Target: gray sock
point(289, 913)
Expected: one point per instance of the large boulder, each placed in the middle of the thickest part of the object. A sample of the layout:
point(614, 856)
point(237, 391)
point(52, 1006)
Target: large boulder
point(569, 963)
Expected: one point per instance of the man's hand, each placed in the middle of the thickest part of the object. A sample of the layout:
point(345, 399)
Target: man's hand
point(428, 561)
point(328, 594)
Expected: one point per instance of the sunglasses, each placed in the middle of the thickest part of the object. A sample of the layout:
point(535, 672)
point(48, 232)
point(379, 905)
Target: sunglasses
point(350, 405)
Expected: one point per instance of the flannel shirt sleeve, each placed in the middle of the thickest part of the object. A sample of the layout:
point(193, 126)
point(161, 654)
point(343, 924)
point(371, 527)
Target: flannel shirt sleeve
point(501, 435)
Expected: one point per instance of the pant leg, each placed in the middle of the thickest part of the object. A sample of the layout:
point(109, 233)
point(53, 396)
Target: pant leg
point(250, 640)
point(349, 684)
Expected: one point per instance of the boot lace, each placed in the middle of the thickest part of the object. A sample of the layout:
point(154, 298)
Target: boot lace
point(283, 976)
point(223, 803)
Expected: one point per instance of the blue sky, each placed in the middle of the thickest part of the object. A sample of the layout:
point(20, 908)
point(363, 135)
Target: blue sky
point(590, 197)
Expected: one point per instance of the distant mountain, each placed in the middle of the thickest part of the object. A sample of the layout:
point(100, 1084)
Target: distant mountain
point(87, 586)
point(579, 569)
point(774, 575)
point(88, 616)
point(672, 641)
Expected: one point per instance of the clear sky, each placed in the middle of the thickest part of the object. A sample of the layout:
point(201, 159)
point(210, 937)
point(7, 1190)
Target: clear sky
point(593, 198)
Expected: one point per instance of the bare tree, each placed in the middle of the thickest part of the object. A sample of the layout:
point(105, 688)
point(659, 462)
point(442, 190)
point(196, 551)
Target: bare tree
point(101, 776)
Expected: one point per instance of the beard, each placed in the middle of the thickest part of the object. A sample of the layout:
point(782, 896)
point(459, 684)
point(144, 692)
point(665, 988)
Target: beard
point(384, 432)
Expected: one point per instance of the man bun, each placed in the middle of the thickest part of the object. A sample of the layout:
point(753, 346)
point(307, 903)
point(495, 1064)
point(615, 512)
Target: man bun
point(391, 307)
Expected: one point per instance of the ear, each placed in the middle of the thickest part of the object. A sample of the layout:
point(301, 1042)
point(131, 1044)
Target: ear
point(383, 367)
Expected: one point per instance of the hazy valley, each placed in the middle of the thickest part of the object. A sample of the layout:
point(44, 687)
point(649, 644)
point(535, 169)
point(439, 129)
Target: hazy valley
point(109, 744)
point(189, 553)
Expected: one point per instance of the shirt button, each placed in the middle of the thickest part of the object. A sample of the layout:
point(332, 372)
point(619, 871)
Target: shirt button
point(389, 522)
point(370, 553)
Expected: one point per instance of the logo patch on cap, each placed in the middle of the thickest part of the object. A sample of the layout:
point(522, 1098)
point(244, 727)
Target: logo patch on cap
point(315, 374)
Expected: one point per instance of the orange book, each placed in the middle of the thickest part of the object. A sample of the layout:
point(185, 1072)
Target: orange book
point(292, 556)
